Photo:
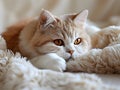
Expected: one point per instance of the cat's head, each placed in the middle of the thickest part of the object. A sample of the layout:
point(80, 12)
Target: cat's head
point(64, 36)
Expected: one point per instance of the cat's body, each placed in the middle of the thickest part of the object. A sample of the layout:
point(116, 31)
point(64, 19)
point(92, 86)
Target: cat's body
point(50, 41)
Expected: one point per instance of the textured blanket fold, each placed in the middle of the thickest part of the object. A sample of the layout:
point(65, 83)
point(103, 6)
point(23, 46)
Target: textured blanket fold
point(16, 73)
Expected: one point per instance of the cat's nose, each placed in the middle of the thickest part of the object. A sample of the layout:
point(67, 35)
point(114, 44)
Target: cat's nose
point(70, 51)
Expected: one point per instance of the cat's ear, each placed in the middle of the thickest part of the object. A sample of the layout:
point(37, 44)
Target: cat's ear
point(46, 18)
point(81, 18)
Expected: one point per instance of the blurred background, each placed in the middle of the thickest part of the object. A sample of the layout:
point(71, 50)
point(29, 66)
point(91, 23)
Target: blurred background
point(102, 12)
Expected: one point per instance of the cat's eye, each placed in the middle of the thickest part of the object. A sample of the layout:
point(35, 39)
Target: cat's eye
point(78, 41)
point(58, 42)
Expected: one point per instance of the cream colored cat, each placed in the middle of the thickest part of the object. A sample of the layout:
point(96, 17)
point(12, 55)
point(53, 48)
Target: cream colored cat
point(49, 41)
point(52, 43)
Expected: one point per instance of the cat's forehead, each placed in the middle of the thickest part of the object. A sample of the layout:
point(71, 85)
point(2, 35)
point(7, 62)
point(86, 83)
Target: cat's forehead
point(65, 30)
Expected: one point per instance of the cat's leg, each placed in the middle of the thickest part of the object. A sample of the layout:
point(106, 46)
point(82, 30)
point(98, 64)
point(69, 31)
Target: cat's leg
point(49, 61)
point(105, 60)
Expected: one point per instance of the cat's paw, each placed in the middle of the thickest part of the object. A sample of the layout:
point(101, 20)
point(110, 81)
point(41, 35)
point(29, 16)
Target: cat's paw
point(49, 61)
point(58, 65)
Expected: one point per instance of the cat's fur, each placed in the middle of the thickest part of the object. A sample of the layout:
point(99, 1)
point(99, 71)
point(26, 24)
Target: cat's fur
point(34, 39)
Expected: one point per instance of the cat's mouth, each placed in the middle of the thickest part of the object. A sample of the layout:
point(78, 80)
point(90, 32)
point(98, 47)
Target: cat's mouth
point(70, 59)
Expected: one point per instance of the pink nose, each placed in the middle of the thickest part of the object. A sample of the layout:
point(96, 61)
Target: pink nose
point(71, 51)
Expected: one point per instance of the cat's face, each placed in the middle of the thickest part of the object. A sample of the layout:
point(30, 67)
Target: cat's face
point(62, 36)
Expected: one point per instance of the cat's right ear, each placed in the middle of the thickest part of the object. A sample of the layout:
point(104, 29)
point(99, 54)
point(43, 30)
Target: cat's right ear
point(81, 18)
point(78, 19)
point(46, 18)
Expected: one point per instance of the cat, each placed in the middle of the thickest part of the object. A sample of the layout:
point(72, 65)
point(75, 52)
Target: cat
point(64, 43)
point(50, 41)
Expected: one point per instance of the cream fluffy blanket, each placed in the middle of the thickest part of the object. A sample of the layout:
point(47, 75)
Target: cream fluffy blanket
point(9, 76)
point(16, 73)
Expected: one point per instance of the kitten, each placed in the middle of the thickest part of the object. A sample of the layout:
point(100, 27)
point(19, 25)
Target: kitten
point(49, 41)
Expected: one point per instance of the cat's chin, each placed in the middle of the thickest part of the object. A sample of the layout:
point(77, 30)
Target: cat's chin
point(69, 59)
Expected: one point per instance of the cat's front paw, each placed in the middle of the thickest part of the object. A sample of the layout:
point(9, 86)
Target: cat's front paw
point(49, 61)
point(59, 65)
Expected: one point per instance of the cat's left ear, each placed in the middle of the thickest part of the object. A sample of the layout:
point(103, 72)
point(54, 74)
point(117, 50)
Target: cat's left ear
point(81, 18)
point(46, 18)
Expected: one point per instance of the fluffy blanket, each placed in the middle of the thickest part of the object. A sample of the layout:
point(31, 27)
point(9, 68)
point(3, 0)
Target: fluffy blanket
point(104, 58)
point(16, 73)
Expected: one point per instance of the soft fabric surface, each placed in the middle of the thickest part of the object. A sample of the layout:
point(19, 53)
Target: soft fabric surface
point(15, 10)
point(16, 73)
